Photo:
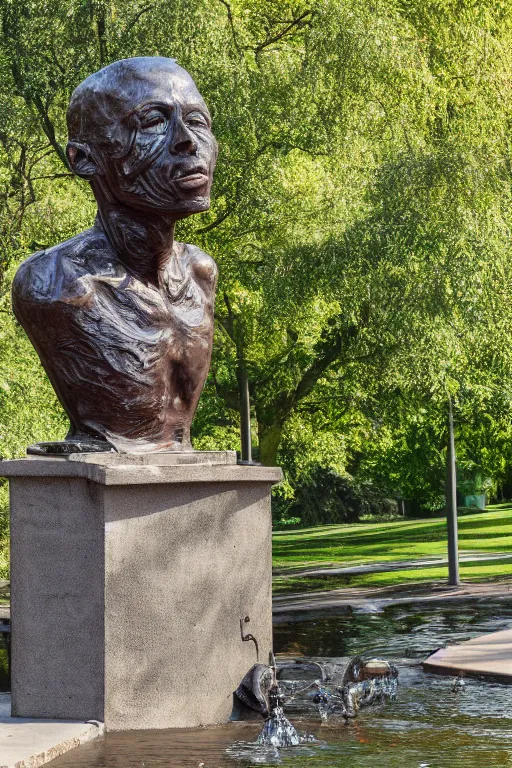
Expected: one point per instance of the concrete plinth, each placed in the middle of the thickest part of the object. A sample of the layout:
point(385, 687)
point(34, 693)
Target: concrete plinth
point(129, 581)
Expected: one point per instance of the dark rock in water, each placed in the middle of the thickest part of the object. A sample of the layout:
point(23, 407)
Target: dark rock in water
point(253, 690)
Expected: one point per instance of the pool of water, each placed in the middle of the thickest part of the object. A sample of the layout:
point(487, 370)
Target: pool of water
point(429, 726)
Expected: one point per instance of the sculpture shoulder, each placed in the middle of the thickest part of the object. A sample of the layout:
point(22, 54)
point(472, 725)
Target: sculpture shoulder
point(51, 274)
point(203, 266)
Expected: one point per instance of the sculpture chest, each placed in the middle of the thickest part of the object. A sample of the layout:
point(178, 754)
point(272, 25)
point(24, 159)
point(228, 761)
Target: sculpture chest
point(128, 360)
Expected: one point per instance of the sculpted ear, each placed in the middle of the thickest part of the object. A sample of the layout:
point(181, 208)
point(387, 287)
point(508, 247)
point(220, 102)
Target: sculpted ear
point(80, 160)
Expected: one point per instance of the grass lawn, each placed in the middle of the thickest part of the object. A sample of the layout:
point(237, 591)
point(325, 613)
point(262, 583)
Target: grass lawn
point(338, 545)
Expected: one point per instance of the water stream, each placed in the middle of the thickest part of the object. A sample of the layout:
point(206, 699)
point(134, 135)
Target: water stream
point(432, 723)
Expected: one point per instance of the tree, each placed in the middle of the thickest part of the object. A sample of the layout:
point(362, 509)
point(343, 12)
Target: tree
point(360, 216)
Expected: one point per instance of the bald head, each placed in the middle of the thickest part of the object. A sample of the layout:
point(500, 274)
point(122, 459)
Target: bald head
point(101, 106)
point(140, 132)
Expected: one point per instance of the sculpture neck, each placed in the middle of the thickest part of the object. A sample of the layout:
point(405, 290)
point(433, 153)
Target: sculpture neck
point(143, 241)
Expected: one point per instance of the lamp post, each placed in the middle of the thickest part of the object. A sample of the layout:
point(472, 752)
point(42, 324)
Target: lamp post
point(451, 504)
point(245, 419)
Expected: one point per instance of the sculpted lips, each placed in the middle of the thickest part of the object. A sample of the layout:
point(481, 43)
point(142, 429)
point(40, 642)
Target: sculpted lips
point(192, 178)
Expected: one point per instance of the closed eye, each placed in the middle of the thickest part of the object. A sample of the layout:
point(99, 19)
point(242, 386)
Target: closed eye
point(153, 122)
point(197, 118)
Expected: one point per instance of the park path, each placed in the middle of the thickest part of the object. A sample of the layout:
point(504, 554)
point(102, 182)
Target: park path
point(387, 566)
point(375, 599)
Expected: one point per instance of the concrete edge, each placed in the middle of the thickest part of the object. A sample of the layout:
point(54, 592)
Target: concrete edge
point(156, 458)
point(197, 473)
point(487, 656)
point(452, 670)
point(93, 730)
point(129, 474)
point(382, 597)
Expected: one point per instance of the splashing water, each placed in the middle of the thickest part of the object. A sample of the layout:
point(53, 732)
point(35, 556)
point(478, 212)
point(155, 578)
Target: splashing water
point(278, 731)
point(368, 692)
point(333, 695)
point(458, 683)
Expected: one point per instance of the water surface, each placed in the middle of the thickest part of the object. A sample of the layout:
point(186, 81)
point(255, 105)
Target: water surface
point(429, 726)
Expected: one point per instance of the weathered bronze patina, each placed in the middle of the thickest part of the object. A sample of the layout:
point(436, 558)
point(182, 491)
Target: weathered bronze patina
point(122, 315)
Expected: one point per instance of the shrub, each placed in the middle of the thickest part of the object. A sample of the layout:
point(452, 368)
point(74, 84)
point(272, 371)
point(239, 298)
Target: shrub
point(322, 496)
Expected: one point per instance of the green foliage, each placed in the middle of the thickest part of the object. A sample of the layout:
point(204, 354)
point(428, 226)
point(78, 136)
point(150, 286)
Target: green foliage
point(324, 496)
point(360, 220)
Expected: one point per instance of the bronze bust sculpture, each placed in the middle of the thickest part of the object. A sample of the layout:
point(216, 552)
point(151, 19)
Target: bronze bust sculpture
point(122, 315)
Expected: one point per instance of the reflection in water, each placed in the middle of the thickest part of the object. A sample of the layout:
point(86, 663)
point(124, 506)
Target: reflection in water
point(401, 631)
point(432, 724)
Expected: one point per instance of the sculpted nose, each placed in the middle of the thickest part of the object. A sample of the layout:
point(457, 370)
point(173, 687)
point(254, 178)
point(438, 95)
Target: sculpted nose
point(182, 140)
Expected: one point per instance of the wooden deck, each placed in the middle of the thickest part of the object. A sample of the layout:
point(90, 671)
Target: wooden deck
point(488, 655)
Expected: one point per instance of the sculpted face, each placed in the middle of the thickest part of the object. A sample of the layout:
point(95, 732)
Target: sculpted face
point(140, 132)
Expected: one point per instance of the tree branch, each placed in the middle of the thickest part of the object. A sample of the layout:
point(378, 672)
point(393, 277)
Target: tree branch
point(101, 27)
point(216, 222)
point(229, 395)
point(231, 24)
point(329, 348)
point(230, 324)
point(53, 176)
point(249, 162)
point(135, 19)
point(294, 26)
point(49, 130)
point(221, 324)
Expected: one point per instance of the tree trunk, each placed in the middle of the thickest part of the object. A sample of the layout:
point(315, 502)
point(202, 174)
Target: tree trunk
point(269, 437)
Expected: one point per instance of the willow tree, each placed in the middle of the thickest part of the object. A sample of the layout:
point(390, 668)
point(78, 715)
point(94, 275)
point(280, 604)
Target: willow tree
point(361, 196)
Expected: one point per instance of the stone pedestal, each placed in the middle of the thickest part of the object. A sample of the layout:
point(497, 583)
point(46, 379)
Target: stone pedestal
point(131, 579)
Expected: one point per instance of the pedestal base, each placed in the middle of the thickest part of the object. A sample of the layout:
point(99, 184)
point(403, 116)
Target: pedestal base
point(130, 586)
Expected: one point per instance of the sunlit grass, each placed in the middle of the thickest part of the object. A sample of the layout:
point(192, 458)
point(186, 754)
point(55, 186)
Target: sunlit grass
point(338, 545)
point(468, 572)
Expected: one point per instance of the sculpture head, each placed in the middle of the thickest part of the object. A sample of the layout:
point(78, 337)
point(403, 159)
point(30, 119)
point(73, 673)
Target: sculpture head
point(140, 132)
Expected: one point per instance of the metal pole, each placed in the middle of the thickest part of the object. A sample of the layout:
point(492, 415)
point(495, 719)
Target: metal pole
point(245, 418)
point(451, 504)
